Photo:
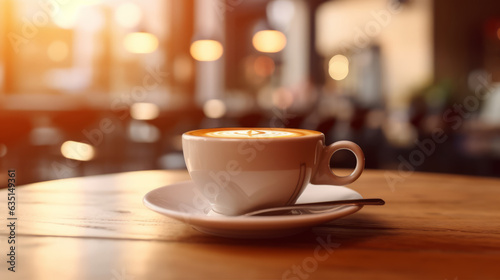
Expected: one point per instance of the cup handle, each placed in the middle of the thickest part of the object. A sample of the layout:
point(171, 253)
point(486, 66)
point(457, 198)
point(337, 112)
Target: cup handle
point(324, 175)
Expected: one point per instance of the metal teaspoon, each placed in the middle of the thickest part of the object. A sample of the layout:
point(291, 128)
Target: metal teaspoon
point(315, 206)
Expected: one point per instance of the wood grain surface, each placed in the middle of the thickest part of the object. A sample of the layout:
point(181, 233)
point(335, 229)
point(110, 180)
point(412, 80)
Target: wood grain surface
point(433, 226)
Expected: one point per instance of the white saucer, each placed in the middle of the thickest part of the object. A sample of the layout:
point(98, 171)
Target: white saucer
point(181, 201)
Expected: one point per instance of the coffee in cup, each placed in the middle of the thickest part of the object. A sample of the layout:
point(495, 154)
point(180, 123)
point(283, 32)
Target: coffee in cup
point(244, 169)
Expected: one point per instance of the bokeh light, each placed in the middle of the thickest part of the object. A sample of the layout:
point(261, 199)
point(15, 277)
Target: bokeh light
point(128, 15)
point(282, 98)
point(264, 66)
point(91, 19)
point(498, 33)
point(269, 41)
point(3, 150)
point(206, 50)
point(77, 151)
point(140, 42)
point(66, 15)
point(280, 12)
point(183, 68)
point(338, 67)
point(214, 108)
point(143, 132)
point(265, 97)
point(144, 111)
point(58, 51)
point(66, 19)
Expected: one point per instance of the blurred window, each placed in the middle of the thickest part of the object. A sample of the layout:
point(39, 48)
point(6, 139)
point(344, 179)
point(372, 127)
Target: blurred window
point(79, 46)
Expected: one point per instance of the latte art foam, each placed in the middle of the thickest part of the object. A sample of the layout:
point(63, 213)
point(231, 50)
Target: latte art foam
point(252, 133)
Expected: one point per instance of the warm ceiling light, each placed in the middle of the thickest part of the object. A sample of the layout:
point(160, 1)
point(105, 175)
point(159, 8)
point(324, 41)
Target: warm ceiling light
point(144, 111)
point(206, 50)
point(128, 15)
point(140, 42)
point(77, 151)
point(338, 67)
point(214, 108)
point(269, 41)
point(57, 51)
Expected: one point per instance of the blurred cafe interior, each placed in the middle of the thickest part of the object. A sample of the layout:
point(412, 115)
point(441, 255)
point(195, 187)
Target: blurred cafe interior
point(102, 86)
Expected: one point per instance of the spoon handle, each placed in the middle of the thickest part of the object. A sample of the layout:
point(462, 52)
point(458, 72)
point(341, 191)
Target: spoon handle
point(363, 201)
point(315, 205)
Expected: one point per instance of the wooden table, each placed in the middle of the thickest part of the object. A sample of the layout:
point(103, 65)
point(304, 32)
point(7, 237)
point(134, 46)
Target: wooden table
point(432, 227)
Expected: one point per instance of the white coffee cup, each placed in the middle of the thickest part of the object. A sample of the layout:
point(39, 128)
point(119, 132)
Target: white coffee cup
point(244, 169)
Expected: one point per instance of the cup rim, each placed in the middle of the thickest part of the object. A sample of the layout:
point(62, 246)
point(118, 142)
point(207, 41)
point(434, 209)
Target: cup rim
point(189, 134)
